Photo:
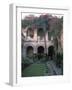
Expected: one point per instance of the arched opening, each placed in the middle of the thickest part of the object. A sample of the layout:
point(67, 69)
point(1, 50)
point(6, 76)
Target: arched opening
point(30, 32)
point(29, 51)
point(40, 50)
point(40, 33)
point(51, 52)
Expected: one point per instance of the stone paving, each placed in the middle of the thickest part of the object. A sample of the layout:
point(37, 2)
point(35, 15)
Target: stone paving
point(53, 69)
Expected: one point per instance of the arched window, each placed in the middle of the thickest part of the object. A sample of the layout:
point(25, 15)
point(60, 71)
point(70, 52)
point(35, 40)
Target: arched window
point(30, 32)
point(40, 33)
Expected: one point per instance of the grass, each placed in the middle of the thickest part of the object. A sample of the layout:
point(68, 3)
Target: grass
point(34, 70)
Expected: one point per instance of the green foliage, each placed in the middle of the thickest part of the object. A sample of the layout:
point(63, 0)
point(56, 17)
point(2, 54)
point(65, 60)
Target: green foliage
point(36, 21)
point(59, 61)
point(35, 58)
point(56, 27)
point(26, 60)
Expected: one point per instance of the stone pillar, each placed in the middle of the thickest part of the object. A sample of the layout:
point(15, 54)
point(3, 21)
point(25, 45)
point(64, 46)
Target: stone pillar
point(24, 51)
point(44, 50)
point(35, 34)
point(35, 49)
point(46, 36)
point(47, 49)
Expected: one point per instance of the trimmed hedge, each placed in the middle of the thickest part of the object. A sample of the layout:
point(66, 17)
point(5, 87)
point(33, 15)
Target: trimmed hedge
point(59, 61)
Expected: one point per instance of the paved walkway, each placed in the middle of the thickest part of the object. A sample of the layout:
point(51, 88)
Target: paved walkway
point(53, 69)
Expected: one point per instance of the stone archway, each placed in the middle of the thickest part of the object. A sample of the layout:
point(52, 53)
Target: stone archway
point(40, 50)
point(29, 51)
point(51, 52)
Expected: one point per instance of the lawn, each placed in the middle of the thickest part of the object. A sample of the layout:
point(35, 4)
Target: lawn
point(34, 70)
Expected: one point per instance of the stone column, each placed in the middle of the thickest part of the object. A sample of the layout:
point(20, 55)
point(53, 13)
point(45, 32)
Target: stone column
point(35, 50)
point(46, 36)
point(46, 50)
point(35, 34)
point(24, 51)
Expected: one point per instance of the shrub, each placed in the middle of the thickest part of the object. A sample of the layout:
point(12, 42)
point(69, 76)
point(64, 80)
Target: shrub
point(25, 62)
point(59, 61)
point(35, 58)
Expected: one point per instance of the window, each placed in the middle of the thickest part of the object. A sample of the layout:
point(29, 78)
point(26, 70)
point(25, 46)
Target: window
point(30, 32)
point(40, 33)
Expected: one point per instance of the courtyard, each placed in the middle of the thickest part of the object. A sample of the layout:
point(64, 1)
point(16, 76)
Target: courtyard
point(41, 67)
point(41, 45)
